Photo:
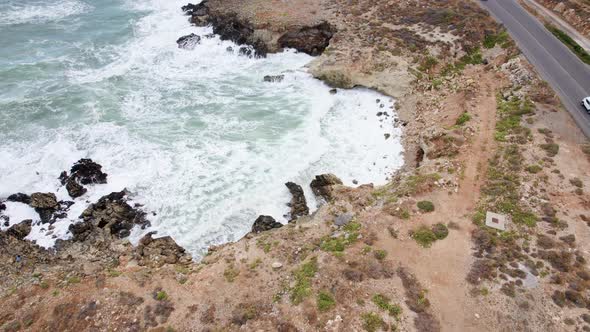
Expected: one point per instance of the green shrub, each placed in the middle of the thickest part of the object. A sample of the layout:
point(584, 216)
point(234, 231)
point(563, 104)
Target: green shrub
point(425, 206)
point(230, 273)
point(551, 149)
point(325, 301)
point(74, 280)
point(383, 302)
point(462, 119)
point(372, 321)
point(303, 276)
point(490, 40)
point(427, 63)
point(440, 231)
point(161, 296)
point(380, 254)
point(424, 236)
point(534, 169)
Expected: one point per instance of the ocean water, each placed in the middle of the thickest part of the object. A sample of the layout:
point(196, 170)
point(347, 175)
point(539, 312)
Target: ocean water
point(196, 136)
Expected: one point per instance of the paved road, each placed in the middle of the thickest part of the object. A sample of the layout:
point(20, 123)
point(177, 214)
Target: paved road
point(562, 69)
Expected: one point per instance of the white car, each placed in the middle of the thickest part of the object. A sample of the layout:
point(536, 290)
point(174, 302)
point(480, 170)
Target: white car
point(586, 103)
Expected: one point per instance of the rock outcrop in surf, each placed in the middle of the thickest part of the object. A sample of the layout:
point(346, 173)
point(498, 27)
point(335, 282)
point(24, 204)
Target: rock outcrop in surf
point(298, 203)
point(312, 40)
point(84, 172)
point(265, 223)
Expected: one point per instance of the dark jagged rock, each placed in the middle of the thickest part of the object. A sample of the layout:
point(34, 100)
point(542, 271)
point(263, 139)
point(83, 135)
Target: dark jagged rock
point(63, 177)
point(84, 171)
point(188, 42)
point(87, 171)
point(298, 203)
point(311, 40)
point(2, 206)
point(232, 28)
point(20, 230)
point(111, 213)
point(156, 252)
point(81, 231)
point(322, 185)
point(5, 220)
point(195, 10)
point(273, 78)
point(228, 27)
point(265, 223)
point(20, 198)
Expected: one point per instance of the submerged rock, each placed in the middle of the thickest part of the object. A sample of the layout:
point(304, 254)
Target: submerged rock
point(188, 42)
point(20, 198)
point(273, 78)
point(245, 51)
point(265, 223)
point(311, 40)
point(298, 203)
point(322, 185)
point(20, 230)
point(159, 251)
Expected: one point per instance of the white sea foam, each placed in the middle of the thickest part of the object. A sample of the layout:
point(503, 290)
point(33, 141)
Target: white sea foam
point(199, 138)
point(41, 11)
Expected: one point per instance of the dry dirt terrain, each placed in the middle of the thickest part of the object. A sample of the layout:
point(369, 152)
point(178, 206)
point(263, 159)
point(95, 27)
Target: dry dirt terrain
point(482, 133)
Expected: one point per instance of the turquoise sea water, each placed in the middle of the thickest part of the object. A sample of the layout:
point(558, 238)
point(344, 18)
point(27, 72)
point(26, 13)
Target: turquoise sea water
point(196, 136)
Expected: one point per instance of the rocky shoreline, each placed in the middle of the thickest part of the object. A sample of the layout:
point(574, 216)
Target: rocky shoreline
point(482, 133)
point(107, 223)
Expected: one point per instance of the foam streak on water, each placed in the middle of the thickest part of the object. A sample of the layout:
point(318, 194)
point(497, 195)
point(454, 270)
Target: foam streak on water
point(196, 136)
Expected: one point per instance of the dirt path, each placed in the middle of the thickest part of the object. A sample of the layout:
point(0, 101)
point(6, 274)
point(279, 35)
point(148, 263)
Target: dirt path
point(443, 267)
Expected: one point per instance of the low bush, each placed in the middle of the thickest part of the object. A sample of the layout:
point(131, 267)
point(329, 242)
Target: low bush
point(462, 119)
point(380, 254)
point(161, 296)
point(534, 169)
point(231, 273)
point(425, 206)
point(440, 231)
point(424, 236)
point(372, 322)
point(551, 149)
point(303, 276)
point(383, 302)
point(325, 301)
